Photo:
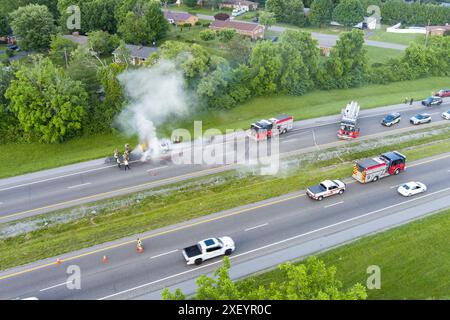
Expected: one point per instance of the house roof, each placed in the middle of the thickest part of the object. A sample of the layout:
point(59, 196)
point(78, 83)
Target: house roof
point(177, 16)
point(241, 2)
point(78, 39)
point(243, 26)
point(141, 52)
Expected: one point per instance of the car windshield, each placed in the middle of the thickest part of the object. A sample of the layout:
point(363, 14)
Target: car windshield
point(389, 117)
point(322, 187)
point(405, 186)
point(419, 116)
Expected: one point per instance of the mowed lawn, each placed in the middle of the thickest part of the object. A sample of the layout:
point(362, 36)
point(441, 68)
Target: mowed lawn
point(413, 259)
point(382, 55)
point(23, 158)
point(400, 38)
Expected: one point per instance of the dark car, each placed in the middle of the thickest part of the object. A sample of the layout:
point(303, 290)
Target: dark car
point(13, 47)
point(390, 119)
point(444, 93)
point(255, 19)
point(432, 101)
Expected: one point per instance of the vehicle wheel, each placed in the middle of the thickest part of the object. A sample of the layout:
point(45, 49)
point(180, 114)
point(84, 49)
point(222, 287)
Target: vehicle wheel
point(228, 252)
point(397, 171)
point(341, 191)
point(375, 179)
point(284, 131)
point(198, 261)
point(320, 198)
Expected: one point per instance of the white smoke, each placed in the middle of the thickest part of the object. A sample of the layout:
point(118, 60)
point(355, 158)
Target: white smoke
point(155, 94)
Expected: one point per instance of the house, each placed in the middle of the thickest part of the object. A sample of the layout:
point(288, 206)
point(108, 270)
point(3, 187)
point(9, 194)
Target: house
point(253, 30)
point(180, 18)
point(138, 54)
point(77, 38)
point(438, 30)
point(233, 4)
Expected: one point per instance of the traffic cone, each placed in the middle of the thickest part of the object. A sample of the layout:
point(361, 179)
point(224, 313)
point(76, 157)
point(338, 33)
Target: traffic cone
point(105, 259)
point(140, 249)
point(58, 261)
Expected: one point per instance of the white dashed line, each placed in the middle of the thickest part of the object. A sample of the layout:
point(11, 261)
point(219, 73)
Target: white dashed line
point(260, 226)
point(153, 169)
point(79, 185)
point(163, 254)
point(334, 204)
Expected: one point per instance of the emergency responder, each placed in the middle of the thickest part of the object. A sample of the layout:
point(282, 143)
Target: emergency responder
point(139, 244)
point(116, 157)
point(411, 101)
point(125, 161)
point(127, 148)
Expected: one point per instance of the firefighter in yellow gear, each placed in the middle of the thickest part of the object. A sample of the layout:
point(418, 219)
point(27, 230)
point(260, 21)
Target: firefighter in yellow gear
point(139, 244)
point(116, 157)
point(126, 158)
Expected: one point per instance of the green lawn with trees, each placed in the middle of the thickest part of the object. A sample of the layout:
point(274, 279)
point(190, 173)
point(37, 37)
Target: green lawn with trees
point(411, 259)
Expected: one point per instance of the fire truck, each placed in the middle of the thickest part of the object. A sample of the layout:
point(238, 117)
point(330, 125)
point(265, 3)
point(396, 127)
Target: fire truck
point(265, 129)
point(349, 123)
point(372, 169)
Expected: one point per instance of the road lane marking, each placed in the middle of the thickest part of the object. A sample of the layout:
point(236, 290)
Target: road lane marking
point(121, 244)
point(164, 254)
point(79, 185)
point(55, 286)
point(273, 244)
point(253, 228)
point(150, 170)
point(334, 204)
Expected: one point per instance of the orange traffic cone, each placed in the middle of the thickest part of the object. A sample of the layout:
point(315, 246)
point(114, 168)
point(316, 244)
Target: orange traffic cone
point(140, 249)
point(105, 259)
point(58, 261)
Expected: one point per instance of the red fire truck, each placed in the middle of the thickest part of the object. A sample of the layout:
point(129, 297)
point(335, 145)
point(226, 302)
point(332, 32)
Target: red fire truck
point(372, 169)
point(349, 123)
point(265, 129)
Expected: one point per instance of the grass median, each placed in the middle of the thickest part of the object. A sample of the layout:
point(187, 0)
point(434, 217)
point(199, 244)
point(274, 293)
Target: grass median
point(23, 158)
point(181, 202)
point(413, 261)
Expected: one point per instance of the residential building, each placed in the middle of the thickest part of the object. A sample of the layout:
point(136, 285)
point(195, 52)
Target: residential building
point(138, 54)
point(252, 30)
point(180, 18)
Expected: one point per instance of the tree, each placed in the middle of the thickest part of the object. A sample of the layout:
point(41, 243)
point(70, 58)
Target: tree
point(267, 19)
point(239, 48)
point(99, 15)
point(265, 65)
point(310, 280)
point(349, 12)
point(347, 65)
point(207, 35)
point(48, 104)
point(123, 54)
point(321, 12)
point(143, 23)
point(289, 11)
point(102, 42)
point(34, 24)
point(190, 3)
point(226, 34)
point(83, 68)
point(60, 50)
point(4, 25)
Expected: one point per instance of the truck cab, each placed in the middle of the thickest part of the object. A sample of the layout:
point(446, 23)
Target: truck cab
point(208, 249)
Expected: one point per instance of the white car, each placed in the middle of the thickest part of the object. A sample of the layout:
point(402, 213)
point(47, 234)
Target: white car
point(208, 249)
point(420, 118)
point(446, 115)
point(411, 188)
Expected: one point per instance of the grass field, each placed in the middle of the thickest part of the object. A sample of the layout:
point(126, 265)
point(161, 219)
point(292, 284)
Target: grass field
point(381, 55)
point(413, 260)
point(406, 39)
point(184, 202)
point(35, 157)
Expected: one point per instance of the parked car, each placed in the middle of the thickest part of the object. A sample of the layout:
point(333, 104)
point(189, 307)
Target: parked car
point(444, 93)
point(421, 118)
point(208, 249)
point(411, 188)
point(255, 19)
point(390, 119)
point(432, 101)
point(446, 115)
point(14, 47)
point(325, 189)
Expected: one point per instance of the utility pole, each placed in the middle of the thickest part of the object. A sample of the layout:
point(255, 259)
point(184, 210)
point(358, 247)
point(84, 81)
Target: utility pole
point(427, 32)
point(65, 57)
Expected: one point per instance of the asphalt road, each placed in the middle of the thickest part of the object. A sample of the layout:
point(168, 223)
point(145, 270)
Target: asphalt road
point(325, 40)
point(54, 189)
point(260, 231)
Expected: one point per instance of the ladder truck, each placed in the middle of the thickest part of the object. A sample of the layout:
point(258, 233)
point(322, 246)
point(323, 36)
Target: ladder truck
point(349, 124)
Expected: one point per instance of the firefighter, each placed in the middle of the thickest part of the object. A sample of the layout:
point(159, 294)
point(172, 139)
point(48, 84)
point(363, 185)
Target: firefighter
point(139, 244)
point(116, 157)
point(411, 101)
point(125, 160)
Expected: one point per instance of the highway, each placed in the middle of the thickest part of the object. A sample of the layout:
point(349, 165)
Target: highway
point(49, 190)
point(260, 230)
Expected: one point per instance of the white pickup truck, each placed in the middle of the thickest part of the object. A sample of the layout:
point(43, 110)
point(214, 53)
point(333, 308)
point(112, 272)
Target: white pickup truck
point(208, 249)
point(325, 189)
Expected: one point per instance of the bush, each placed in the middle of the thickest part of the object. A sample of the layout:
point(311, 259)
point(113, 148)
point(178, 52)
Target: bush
point(206, 24)
point(198, 23)
point(207, 35)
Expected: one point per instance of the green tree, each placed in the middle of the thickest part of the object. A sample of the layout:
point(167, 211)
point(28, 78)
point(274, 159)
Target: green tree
point(207, 35)
point(143, 23)
point(265, 65)
point(102, 42)
point(99, 15)
point(190, 3)
point(321, 12)
point(347, 65)
point(289, 11)
point(48, 104)
point(123, 54)
point(83, 68)
point(4, 24)
point(60, 50)
point(34, 24)
point(310, 280)
point(349, 12)
point(239, 48)
point(226, 34)
point(267, 19)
